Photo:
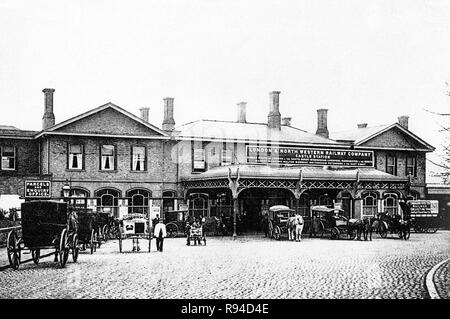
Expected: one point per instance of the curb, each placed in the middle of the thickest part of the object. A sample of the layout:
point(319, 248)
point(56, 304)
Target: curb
point(429, 283)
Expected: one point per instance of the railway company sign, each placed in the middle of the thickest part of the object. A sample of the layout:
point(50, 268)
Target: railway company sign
point(308, 156)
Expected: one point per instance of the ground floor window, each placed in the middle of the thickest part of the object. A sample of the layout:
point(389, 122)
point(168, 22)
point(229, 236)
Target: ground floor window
point(198, 205)
point(138, 200)
point(168, 201)
point(108, 201)
point(391, 204)
point(370, 206)
point(78, 197)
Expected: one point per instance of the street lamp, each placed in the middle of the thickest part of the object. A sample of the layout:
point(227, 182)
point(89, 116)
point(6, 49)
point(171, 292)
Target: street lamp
point(66, 191)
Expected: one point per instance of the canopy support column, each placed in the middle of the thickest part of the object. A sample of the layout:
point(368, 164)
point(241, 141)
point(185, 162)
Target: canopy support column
point(233, 184)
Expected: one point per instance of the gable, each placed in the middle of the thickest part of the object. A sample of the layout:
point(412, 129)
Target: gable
point(108, 121)
point(394, 138)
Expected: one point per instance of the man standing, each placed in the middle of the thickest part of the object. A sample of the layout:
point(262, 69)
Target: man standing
point(160, 234)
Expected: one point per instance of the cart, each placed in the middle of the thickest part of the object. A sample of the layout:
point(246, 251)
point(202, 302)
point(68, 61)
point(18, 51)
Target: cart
point(328, 220)
point(424, 215)
point(278, 218)
point(195, 233)
point(134, 226)
point(87, 232)
point(45, 225)
point(175, 222)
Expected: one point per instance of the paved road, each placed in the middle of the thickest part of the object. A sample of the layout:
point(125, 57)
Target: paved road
point(250, 267)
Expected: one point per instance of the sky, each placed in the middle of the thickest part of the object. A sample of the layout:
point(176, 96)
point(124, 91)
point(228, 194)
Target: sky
point(365, 61)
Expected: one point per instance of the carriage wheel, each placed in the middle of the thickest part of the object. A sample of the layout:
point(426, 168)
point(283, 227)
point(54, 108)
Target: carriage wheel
point(352, 234)
point(13, 250)
point(172, 230)
point(321, 230)
point(276, 232)
point(335, 233)
point(75, 249)
point(92, 242)
point(63, 248)
point(35, 254)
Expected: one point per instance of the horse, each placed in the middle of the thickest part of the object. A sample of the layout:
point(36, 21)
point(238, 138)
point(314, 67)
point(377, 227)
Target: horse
point(295, 225)
point(71, 226)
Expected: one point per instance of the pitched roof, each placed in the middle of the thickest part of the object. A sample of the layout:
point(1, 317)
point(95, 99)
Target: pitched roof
point(257, 132)
point(361, 135)
point(308, 173)
point(99, 109)
point(14, 132)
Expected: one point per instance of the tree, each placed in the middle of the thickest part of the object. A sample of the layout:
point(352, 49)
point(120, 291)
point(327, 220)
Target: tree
point(445, 152)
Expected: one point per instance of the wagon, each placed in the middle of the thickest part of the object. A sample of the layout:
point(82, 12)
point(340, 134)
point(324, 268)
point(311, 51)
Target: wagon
point(424, 215)
point(45, 225)
point(328, 220)
point(278, 218)
point(87, 232)
point(134, 226)
point(175, 222)
point(195, 233)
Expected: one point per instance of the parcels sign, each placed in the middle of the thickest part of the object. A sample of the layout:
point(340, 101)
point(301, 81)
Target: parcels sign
point(37, 189)
point(308, 156)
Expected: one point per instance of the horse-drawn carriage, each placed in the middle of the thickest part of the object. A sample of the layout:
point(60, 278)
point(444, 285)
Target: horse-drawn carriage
point(328, 220)
point(283, 219)
point(135, 226)
point(45, 225)
point(87, 230)
point(385, 224)
point(175, 222)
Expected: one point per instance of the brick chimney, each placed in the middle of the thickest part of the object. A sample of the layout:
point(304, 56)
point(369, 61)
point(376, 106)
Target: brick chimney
point(144, 113)
point(274, 117)
point(242, 106)
point(168, 122)
point(286, 121)
point(362, 125)
point(403, 121)
point(322, 127)
point(48, 120)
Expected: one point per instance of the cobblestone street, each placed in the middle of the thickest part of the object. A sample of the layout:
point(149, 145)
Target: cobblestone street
point(250, 267)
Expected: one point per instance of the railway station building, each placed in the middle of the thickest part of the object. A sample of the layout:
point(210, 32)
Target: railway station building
point(212, 167)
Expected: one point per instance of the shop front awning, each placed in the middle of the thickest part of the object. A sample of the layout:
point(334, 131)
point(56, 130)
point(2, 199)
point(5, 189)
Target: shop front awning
point(368, 174)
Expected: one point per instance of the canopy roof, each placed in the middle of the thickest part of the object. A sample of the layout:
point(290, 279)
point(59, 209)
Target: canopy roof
point(307, 173)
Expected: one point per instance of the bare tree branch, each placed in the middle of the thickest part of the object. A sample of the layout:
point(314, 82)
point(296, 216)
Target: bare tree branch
point(436, 113)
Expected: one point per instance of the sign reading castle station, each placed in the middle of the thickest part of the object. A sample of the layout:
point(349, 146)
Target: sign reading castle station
point(308, 156)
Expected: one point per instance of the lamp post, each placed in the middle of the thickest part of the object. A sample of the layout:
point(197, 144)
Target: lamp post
point(66, 191)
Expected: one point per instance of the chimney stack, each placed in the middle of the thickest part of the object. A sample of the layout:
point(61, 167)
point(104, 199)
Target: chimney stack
point(362, 125)
point(168, 122)
point(48, 120)
point(286, 121)
point(144, 113)
point(403, 121)
point(242, 112)
point(274, 117)
point(322, 126)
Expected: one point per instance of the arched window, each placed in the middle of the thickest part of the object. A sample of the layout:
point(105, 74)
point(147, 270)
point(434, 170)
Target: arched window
point(198, 205)
point(138, 200)
point(369, 204)
point(391, 204)
point(168, 201)
point(108, 201)
point(221, 205)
